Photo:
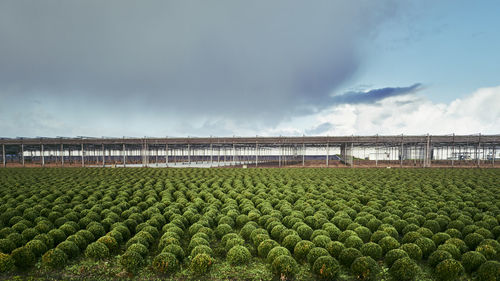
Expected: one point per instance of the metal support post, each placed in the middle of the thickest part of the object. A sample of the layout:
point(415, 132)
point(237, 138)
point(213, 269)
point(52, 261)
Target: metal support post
point(43, 157)
point(211, 154)
point(401, 153)
point(189, 153)
point(478, 151)
point(303, 154)
point(103, 154)
point(4, 162)
point(62, 155)
point(124, 155)
point(327, 152)
point(83, 161)
point(256, 154)
point(22, 153)
point(166, 154)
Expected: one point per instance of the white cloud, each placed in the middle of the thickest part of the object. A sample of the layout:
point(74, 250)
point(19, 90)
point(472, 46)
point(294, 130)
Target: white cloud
point(410, 114)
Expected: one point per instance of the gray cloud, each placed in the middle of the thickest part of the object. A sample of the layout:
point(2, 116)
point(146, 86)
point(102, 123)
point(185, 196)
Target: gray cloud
point(172, 60)
point(375, 94)
point(320, 129)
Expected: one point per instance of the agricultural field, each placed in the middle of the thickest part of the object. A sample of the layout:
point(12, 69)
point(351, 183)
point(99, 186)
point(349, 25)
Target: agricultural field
point(249, 224)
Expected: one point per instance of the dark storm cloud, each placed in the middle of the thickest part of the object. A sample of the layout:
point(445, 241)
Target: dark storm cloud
point(239, 60)
point(375, 95)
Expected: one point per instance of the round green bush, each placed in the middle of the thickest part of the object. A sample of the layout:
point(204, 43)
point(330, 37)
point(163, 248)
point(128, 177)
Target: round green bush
point(67, 229)
point(305, 231)
point(89, 237)
point(326, 267)
point(275, 252)
point(145, 236)
point(414, 251)
point(438, 256)
point(291, 241)
point(176, 250)
point(131, 261)
point(69, 248)
point(233, 242)
point(335, 248)
point(489, 271)
point(411, 237)
point(78, 240)
point(404, 269)
point(302, 249)
point(353, 242)
point(377, 235)
point(6, 246)
point(346, 234)
point(321, 241)
point(201, 264)
point(6, 262)
point(223, 229)
point(23, 257)
point(138, 240)
point(284, 266)
point(393, 255)
point(246, 231)
point(449, 269)
point(225, 238)
point(388, 243)
point(29, 233)
point(426, 245)
point(365, 268)
point(165, 263)
point(372, 250)
point(348, 255)
point(452, 249)
point(459, 243)
point(116, 235)
point(473, 239)
point(196, 242)
point(97, 250)
point(364, 233)
point(472, 261)
point(57, 235)
point(96, 229)
point(110, 242)
point(202, 249)
point(238, 255)
point(440, 237)
point(55, 258)
point(17, 239)
point(266, 246)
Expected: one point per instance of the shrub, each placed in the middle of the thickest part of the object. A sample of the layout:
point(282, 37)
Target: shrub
point(57, 235)
point(6, 262)
point(165, 263)
point(366, 268)
point(459, 243)
point(414, 252)
point(440, 237)
point(96, 229)
point(388, 243)
point(97, 250)
point(79, 241)
point(394, 255)
point(346, 234)
point(202, 249)
point(69, 248)
point(326, 267)
point(23, 257)
point(364, 233)
point(176, 250)
point(438, 256)
point(138, 240)
point(67, 229)
point(473, 239)
point(233, 242)
point(284, 266)
point(17, 239)
point(426, 245)
point(266, 246)
point(348, 255)
point(225, 238)
point(6, 246)
point(372, 250)
point(201, 264)
point(222, 229)
point(449, 269)
point(452, 249)
point(110, 242)
point(275, 252)
point(238, 255)
point(145, 236)
point(29, 233)
point(377, 235)
point(89, 237)
point(46, 239)
point(334, 248)
point(304, 231)
point(197, 241)
point(55, 258)
point(291, 241)
point(489, 271)
point(321, 241)
point(131, 261)
point(472, 261)
point(246, 231)
point(353, 242)
point(302, 249)
point(404, 269)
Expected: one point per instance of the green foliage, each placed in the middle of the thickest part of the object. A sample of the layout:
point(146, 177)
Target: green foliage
point(55, 258)
point(489, 271)
point(6, 246)
point(438, 256)
point(404, 269)
point(69, 248)
point(266, 246)
point(238, 255)
point(472, 260)
point(321, 241)
point(449, 269)
point(326, 267)
point(201, 264)
point(302, 249)
point(426, 245)
point(276, 252)
point(97, 250)
point(165, 263)
point(365, 268)
point(131, 261)
point(393, 255)
point(202, 249)
point(353, 242)
point(372, 250)
point(6, 262)
point(222, 229)
point(291, 241)
point(23, 257)
point(414, 251)
point(110, 242)
point(174, 249)
point(284, 266)
point(388, 243)
point(348, 255)
point(335, 248)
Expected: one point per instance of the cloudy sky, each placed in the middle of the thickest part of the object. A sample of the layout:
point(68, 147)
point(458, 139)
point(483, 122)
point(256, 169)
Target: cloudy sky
point(244, 68)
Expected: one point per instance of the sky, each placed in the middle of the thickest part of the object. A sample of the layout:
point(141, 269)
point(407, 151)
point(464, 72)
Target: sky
point(243, 68)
